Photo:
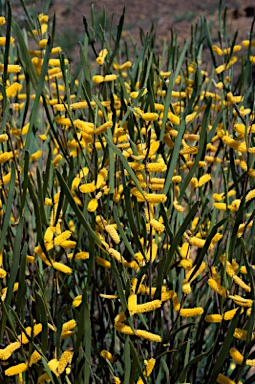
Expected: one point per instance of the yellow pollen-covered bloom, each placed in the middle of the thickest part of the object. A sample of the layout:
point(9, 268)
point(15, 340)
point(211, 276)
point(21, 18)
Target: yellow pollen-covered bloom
point(64, 360)
point(6, 352)
point(236, 356)
point(84, 126)
point(222, 379)
point(149, 116)
point(107, 355)
point(204, 179)
point(2, 20)
point(113, 233)
point(156, 167)
point(104, 263)
point(62, 268)
point(213, 318)
point(230, 314)
point(16, 369)
point(35, 357)
point(102, 128)
point(217, 287)
point(87, 188)
point(220, 206)
point(159, 227)
point(5, 157)
point(101, 56)
point(191, 312)
point(178, 206)
point(62, 237)
point(36, 330)
point(140, 333)
point(3, 41)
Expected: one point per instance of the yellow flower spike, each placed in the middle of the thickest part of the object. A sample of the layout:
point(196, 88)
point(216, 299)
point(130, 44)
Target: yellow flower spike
point(204, 179)
point(236, 356)
point(98, 79)
point(241, 301)
point(140, 333)
point(3, 41)
point(102, 262)
point(2, 20)
point(147, 307)
point(149, 116)
point(77, 301)
point(53, 365)
point(84, 126)
point(241, 283)
point(113, 233)
point(62, 268)
point(194, 182)
point(92, 205)
point(120, 318)
point(64, 360)
point(149, 367)
point(156, 167)
point(87, 188)
point(16, 369)
point(173, 118)
point(116, 380)
point(220, 206)
point(217, 287)
point(235, 205)
point(38, 250)
point(189, 151)
point(230, 314)
point(213, 318)
point(48, 237)
point(4, 157)
point(241, 147)
point(3, 273)
point(155, 198)
point(36, 330)
point(132, 303)
point(222, 379)
point(250, 195)
point(197, 242)
point(11, 68)
point(101, 57)
point(217, 50)
point(186, 288)
point(152, 252)
point(200, 269)
point(102, 128)
point(34, 358)
point(177, 206)
point(157, 226)
point(62, 237)
point(176, 179)
point(6, 352)
point(107, 355)
point(191, 312)
point(110, 77)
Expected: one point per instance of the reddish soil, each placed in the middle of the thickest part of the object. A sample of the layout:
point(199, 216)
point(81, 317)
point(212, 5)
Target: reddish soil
point(165, 14)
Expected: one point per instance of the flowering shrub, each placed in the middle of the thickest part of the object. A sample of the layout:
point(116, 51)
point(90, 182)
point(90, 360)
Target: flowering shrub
point(127, 209)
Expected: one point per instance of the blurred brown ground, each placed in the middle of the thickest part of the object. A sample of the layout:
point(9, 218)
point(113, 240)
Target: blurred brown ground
point(165, 14)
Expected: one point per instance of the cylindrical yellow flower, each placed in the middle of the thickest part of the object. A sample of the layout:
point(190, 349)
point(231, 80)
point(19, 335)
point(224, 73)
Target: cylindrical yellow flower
point(190, 312)
point(107, 355)
point(148, 307)
point(236, 356)
point(87, 188)
point(156, 198)
point(6, 352)
point(217, 287)
point(156, 167)
point(149, 116)
point(84, 126)
point(98, 79)
point(62, 237)
point(213, 318)
point(241, 283)
point(62, 268)
point(64, 360)
point(230, 314)
point(222, 379)
point(102, 128)
point(35, 357)
point(204, 179)
point(104, 263)
point(157, 226)
point(5, 157)
point(113, 233)
point(16, 369)
point(110, 77)
point(101, 56)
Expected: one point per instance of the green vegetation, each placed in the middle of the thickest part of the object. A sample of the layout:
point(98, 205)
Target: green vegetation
point(126, 207)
